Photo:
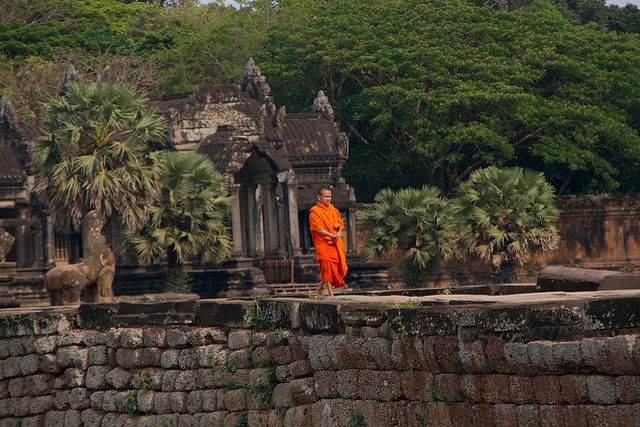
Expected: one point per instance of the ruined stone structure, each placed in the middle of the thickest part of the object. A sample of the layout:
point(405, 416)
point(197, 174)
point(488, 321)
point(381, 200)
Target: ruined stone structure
point(443, 360)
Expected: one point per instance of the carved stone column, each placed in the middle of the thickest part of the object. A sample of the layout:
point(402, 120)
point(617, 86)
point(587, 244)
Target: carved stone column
point(259, 223)
point(290, 184)
point(236, 220)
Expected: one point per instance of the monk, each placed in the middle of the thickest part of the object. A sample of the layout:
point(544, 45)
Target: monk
point(326, 230)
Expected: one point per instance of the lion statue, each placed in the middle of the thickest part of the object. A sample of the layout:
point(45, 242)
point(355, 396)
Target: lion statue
point(94, 274)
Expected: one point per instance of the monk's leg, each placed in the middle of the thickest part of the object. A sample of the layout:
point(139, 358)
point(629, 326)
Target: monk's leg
point(330, 289)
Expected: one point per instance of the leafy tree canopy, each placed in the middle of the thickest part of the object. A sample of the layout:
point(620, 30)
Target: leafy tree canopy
point(432, 90)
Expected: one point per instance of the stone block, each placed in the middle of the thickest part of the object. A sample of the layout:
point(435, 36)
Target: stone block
point(96, 377)
point(170, 359)
point(74, 377)
point(473, 357)
point(194, 402)
point(72, 356)
point(169, 379)
point(97, 355)
point(222, 313)
point(298, 351)
point(379, 385)
point(262, 356)
point(16, 387)
point(352, 353)
point(612, 314)
point(154, 336)
point(594, 354)
point(91, 418)
point(178, 402)
point(602, 389)
point(186, 380)
point(45, 345)
point(574, 389)
point(552, 415)
point(472, 414)
point(177, 338)
point(547, 389)
point(96, 399)
point(528, 415)
point(333, 412)
point(300, 368)
point(70, 338)
point(73, 418)
point(299, 416)
point(375, 413)
point(446, 350)
point(210, 401)
point(206, 336)
point(302, 391)
point(151, 357)
point(576, 415)
point(16, 348)
point(440, 411)
point(471, 388)
point(79, 398)
point(541, 357)
point(521, 389)
point(619, 352)
point(379, 350)
point(210, 355)
point(240, 359)
point(94, 337)
point(145, 400)
point(132, 338)
point(41, 404)
point(558, 278)
point(416, 385)
point(505, 415)
point(118, 378)
point(279, 313)
point(628, 387)
point(188, 359)
point(330, 384)
point(162, 403)
point(517, 356)
point(129, 358)
point(496, 388)
point(235, 400)
point(447, 388)
point(319, 317)
point(238, 340)
point(427, 352)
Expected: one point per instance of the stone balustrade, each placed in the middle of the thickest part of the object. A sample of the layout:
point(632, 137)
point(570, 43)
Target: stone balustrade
point(563, 359)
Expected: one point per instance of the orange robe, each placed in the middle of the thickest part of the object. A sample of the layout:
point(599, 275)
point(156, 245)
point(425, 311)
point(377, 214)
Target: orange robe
point(330, 253)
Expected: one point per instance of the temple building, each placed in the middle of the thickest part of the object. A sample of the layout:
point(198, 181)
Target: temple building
point(274, 163)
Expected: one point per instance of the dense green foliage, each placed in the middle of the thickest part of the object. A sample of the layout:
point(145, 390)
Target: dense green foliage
point(505, 215)
point(94, 154)
point(428, 91)
point(189, 219)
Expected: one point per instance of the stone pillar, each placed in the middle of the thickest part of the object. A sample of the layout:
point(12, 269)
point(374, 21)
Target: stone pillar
point(292, 227)
point(236, 220)
point(259, 223)
point(49, 242)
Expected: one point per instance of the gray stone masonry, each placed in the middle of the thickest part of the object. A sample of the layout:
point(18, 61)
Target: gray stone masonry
point(550, 358)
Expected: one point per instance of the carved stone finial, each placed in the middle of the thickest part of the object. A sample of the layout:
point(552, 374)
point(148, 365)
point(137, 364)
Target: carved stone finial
point(70, 75)
point(7, 114)
point(322, 105)
point(254, 82)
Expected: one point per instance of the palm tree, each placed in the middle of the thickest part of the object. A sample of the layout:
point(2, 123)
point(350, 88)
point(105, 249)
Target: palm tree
point(506, 215)
point(95, 154)
point(189, 219)
point(416, 221)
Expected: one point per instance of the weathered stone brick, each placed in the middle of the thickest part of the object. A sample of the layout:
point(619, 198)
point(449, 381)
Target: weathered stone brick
point(161, 403)
point(74, 377)
point(70, 338)
point(6, 408)
point(496, 388)
point(330, 384)
point(194, 402)
point(72, 356)
point(552, 415)
point(416, 385)
point(397, 355)
point(574, 389)
point(132, 338)
point(188, 359)
point(547, 389)
point(238, 340)
point(300, 368)
point(21, 406)
point(471, 387)
point(41, 405)
point(48, 363)
point(296, 416)
point(567, 356)
point(282, 396)
point(263, 355)
point(79, 398)
point(73, 418)
point(210, 355)
point(352, 353)
point(45, 344)
point(145, 400)
point(466, 414)
point(239, 359)
point(594, 353)
point(473, 357)
point(440, 411)
point(319, 350)
point(154, 337)
point(379, 385)
point(303, 391)
point(446, 350)
point(39, 384)
point(447, 388)
point(110, 401)
point(505, 415)
point(178, 402)
point(210, 400)
point(150, 357)
point(211, 419)
point(169, 359)
point(520, 390)
point(54, 418)
point(380, 351)
point(628, 388)
point(97, 398)
point(96, 377)
point(236, 400)
point(575, 415)
point(296, 348)
point(97, 355)
point(528, 415)
point(11, 367)
point(541, 357)
point(377, 413)
point(221, 378)
point(169, 380)
point(118, 378)
point(91, 418)
point(91, 338)
point(205, 336)
point(332, 412)
point(177, 338)
point(620, 354)
point(517, 357)
point(129, 358)
point(186, 380)
point(17, 387)
point(602, 389)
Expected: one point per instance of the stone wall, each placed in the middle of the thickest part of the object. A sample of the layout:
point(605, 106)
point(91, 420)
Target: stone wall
point(518, 360)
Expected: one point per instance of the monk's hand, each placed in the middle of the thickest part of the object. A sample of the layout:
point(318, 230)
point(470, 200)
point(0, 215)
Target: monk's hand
point(336, 226)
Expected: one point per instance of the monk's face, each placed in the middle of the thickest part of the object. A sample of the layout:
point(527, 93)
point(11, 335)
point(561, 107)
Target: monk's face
point(325, 197)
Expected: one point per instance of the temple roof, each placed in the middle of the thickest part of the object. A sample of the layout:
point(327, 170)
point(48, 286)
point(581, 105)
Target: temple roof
point(11, 171)
point(311, 137)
